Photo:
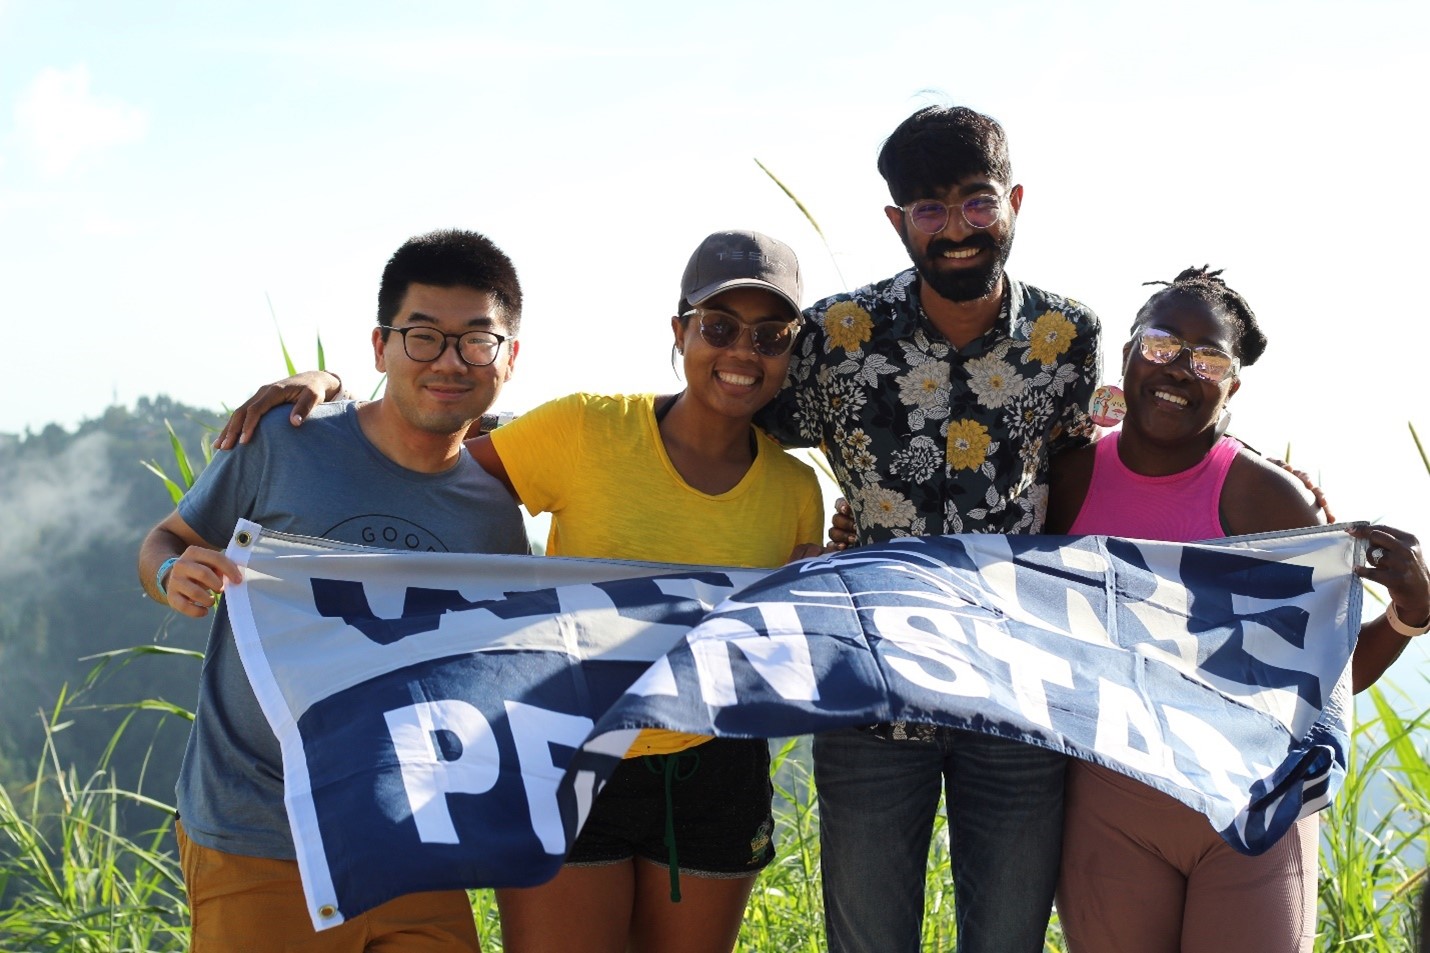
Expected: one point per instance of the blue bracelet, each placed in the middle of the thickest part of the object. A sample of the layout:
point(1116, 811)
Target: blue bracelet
point(164, 568)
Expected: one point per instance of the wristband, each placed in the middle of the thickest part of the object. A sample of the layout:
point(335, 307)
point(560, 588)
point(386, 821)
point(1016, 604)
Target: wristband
point(1409, 631)
point(342, 393)
point(490, 421)
point(163, 570)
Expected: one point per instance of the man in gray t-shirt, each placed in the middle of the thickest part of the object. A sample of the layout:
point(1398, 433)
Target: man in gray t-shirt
point(390, 473)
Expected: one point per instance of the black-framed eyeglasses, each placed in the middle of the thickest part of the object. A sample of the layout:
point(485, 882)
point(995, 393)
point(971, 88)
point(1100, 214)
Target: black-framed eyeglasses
point(1211, 364)
point(722, 329)
point(931, 217)
point(425, 345)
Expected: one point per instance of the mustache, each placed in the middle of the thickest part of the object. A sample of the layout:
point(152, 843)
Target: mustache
point(980, 240)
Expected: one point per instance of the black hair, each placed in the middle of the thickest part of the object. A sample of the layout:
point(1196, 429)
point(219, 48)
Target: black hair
point(939, 145)
point(450, 258)
point(1208, 287)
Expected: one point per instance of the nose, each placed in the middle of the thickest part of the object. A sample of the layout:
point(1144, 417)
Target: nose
point(956, 225)
point(745, 341)
point(449, 361)
point(1182, 363)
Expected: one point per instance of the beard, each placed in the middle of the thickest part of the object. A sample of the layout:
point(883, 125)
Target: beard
point(964, 284)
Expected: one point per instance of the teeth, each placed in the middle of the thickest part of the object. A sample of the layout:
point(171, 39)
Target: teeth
point(961, 253)
point(1173, 398)
point(738, 379)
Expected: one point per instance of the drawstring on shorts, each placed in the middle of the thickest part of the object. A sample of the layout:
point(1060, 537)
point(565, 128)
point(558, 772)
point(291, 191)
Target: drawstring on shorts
point(670, 766)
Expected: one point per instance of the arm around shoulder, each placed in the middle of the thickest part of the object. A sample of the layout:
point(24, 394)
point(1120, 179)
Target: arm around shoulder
point(1069, 477)
point(485, 453)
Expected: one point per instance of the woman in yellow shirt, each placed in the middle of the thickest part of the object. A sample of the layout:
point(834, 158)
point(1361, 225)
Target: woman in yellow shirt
point(683, 479)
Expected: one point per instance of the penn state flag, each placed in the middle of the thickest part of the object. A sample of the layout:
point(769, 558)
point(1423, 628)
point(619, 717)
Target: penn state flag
point(446, 720)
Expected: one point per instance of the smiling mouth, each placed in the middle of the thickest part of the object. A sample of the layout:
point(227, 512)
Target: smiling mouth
point(740, 380)
point(1170, 398)
point(961, 253)
point(447, 391)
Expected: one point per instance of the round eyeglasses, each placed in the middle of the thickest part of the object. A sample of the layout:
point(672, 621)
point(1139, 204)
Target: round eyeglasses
point(931, 217)
point(1211, 364)
point(722, 329)
point(425, 345)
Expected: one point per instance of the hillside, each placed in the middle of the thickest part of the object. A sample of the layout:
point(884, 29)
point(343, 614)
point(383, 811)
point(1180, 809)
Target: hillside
point(73, 509)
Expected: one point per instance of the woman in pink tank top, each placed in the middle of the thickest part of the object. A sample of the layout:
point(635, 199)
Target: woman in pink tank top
point(1143, 873)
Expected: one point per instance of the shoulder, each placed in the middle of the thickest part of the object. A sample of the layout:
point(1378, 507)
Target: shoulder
point(325, 419)
point(575, 420)
point(569, 407)
point(783, 464)
point(873, 298)
point(1034, 302)
point(1259, 497)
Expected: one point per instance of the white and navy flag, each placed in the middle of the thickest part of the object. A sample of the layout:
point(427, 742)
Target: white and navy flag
point(447, 719)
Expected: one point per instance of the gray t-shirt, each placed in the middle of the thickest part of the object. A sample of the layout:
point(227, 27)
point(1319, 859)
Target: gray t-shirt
point(325, 479)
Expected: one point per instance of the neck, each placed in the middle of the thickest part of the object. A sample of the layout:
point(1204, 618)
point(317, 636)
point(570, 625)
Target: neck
point(405, 445)
point(1148, 459)
point(963, 321)
point(697, 430)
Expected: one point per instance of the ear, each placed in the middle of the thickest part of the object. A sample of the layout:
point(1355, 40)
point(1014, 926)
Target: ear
point(895, 216)
point(1015, 198)
point(379, 351)
point(515, 348)
point(679, 332)
point(1126, 356)
point(1235, 386)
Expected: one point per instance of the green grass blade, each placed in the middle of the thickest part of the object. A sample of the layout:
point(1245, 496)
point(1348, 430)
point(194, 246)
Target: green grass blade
point(322, 359)
point(287, 360)
point(808, 216)
point(181, 458)
point(176, 492)
point(1423, 458)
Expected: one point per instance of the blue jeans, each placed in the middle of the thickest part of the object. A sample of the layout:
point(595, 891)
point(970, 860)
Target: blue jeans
point(877, 801)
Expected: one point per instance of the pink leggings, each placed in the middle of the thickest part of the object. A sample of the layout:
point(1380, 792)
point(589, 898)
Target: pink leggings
point(1144, 873)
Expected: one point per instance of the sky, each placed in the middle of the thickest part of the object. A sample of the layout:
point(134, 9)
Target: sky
point(181, 182)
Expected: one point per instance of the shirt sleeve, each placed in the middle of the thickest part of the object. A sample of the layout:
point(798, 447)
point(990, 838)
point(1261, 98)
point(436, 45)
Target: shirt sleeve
point(780, 417)
point(227, 489)
point(541, 451)
point(1075, 427)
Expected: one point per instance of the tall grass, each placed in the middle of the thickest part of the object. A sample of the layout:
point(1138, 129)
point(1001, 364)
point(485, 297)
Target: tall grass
point(69, 879)
point(1375, 837)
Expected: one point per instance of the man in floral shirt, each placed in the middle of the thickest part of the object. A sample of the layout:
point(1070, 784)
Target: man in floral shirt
point(939, 396)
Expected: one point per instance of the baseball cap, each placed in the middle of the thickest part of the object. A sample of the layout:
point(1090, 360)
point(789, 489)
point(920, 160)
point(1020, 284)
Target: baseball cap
point(728, 260)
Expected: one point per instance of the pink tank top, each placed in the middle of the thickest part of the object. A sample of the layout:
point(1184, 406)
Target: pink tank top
point(1180, 507)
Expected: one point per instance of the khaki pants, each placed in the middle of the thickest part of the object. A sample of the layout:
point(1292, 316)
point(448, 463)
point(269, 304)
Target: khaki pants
point(239, 904)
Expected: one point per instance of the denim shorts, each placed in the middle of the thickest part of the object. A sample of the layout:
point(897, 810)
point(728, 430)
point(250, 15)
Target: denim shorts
point(718, 798)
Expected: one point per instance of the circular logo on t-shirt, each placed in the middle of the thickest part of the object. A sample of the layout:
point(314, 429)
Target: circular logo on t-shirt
point(389, 532)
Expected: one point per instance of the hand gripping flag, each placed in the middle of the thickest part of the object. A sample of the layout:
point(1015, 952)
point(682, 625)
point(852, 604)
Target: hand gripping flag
point(446, 720)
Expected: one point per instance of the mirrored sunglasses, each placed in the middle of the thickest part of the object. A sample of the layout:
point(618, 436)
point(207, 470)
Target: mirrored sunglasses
point(1211, 364)
point(721, 329)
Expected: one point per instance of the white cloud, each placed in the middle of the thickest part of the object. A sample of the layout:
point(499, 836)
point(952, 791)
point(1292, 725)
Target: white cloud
point(61, 122)
point(57, 506)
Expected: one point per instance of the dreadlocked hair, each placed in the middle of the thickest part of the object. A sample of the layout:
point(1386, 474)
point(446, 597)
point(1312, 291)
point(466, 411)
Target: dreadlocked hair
point(1207, 286)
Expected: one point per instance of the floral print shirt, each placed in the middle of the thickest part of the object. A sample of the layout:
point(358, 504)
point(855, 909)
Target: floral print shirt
point(925, 439)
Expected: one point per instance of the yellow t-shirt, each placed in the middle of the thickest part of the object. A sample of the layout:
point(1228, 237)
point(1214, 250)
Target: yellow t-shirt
point(598, 465)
